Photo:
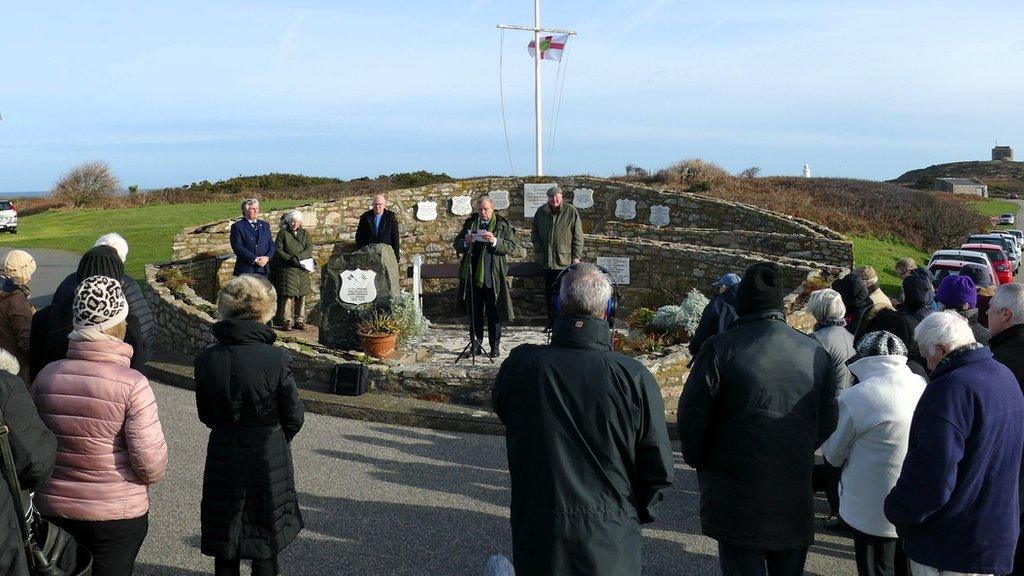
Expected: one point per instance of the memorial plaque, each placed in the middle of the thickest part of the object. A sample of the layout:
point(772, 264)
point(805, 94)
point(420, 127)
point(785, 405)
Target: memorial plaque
point(659, 215)
point(358, 286)
point(534, 196)
point(625, 209)
point(617, 267)
point(426, 211)
point(500, 199)
point(462, 205)
point(583, 198)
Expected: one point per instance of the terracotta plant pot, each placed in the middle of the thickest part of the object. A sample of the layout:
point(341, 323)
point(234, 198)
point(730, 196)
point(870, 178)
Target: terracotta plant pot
point(379, 345)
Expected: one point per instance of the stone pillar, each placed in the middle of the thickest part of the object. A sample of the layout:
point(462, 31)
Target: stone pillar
point(338, 319)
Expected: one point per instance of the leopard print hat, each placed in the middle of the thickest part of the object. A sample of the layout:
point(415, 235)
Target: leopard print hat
point(99, 304)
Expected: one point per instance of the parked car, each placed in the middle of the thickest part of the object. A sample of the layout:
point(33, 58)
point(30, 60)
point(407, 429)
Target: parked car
point(1018, 233)
point(1014, 241)
point(939, 269)
point(997, 256)
point(1007, 219)
point(8, 217)
point(1009, 246)
point(1012, 196)
point(963, 256)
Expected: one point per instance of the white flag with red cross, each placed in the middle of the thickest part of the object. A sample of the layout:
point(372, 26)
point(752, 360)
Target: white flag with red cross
point(551, 47)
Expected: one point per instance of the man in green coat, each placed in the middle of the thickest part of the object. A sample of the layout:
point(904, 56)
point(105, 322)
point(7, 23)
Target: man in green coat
point(484, 241)
point(557, 242)
point(290, 276)
point(588, 450)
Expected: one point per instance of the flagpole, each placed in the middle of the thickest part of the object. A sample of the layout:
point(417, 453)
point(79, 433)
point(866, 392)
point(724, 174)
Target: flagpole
point(536, 87)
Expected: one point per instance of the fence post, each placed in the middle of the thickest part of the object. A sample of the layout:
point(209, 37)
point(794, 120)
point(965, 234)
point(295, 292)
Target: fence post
point(417, 287)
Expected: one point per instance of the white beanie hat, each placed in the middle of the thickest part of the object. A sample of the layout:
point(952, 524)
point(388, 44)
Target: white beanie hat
point(19, 266)
point(99, 304)
point(115, 241)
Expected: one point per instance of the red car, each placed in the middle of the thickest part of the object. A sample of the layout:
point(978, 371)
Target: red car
point(1001, 263)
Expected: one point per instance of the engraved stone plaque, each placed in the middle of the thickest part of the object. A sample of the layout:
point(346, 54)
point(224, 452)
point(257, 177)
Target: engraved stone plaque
point(358, 286)
point(625, 209)
point(534, 196)
point(583, 198)
point(462, 205)
point(426, 211)
point(617, 267)
point(659, 215)
point(500, 199)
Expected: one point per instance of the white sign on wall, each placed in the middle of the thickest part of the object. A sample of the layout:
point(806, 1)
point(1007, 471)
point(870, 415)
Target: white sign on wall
point(426, 211)
point(534, 196)
point(462, 205)
point(583, 198)
point(500, 199)
point(358, 286)
point(625, 209)
point(659, 215)
point(617, 267)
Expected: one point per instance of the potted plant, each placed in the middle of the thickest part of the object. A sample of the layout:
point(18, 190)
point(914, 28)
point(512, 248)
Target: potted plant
point(379, 333)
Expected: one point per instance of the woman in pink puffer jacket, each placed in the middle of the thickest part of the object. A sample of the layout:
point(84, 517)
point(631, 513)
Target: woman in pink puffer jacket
point(110, 444)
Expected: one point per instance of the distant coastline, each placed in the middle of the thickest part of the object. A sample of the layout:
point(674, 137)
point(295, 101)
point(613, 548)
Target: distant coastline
point(9, 195)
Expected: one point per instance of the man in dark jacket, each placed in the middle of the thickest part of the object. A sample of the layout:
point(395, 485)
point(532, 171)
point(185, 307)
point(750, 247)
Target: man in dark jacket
point(34, 449)
point(588, 449)
point(856, 299)
point(378, 226)
point(252, 241)
point(557, 238)
point(757, 404)
point(718, 314)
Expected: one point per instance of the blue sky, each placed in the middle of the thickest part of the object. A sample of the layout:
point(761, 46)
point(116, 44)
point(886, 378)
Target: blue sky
point(174, 92)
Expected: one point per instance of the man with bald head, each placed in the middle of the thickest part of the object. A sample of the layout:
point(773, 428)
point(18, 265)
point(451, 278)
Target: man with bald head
point(378, 225)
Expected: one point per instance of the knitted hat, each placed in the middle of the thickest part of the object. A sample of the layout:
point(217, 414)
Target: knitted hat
point(760, 289)
point(917, 291)
point(99, 304)
point(100, 261)
point(19, 266)
point(117, 242)
point(956, 291)
point(880, 343)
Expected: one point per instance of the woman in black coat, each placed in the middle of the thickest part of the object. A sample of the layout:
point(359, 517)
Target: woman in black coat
point(247, 397)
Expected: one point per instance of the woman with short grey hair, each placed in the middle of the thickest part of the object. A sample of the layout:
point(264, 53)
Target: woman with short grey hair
point(830, 330)
point(289, 275)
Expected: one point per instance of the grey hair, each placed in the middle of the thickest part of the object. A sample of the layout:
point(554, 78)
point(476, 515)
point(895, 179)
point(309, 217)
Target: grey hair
point(290, 216)
point(585, 291)
point(8, 363)
point(247, 297)
point(485, 198)
point(249, 202)
point(945, 327)
point(826, 306)
point(1010, 297)
point(381, 196)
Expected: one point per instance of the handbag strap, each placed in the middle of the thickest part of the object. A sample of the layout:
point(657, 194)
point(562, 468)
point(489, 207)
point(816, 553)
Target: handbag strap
point(11, 474)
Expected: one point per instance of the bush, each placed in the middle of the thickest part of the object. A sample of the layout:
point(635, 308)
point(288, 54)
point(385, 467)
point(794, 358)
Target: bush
point(691, 172)
point(683, 318)
point(378, 323)
point(412, 325)
point(752, 172)
point(89, 184)
point(639, 318)
point(175, 280)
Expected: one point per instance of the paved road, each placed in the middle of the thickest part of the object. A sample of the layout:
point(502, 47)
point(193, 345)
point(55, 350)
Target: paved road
point(389, 500)
point(52, 266)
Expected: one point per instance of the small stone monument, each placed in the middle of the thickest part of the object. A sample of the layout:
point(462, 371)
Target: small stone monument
point(426, 211)
point(462, 205)
point(583, 198)
point(625, 209)
point(659, 215)
point(500, 199)
point(345, 296)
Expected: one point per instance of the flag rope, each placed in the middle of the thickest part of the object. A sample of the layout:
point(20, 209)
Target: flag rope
point(560, 91)
point(501, 96)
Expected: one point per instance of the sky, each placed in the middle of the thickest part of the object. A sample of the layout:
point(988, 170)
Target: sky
point(175, 92)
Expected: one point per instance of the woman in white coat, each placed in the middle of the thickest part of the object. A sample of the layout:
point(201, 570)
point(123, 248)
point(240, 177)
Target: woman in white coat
point(869, 444)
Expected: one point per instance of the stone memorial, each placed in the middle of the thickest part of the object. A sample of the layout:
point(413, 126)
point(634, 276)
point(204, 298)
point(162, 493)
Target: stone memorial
point(462, 205)
point(426, 211)
point(583, 198)
point(659, 216)
point(343, 305)
point(617, 267)
point(625, 209)
point(500, 199)
point(534, 196)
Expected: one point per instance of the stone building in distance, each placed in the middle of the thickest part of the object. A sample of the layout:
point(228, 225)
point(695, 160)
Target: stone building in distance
point(1002, 153)
point(971, 186)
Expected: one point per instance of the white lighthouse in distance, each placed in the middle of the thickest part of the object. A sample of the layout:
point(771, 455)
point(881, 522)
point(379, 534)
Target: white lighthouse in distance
point(807, 170)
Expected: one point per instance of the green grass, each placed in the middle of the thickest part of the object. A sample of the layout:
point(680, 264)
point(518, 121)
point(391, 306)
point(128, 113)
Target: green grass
point(149, 230)
point(882, 254)
point(995, 207)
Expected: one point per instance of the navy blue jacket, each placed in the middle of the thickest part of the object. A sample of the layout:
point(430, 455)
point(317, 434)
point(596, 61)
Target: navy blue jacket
point(956, 503)
point(248, 243)
point(718, 315)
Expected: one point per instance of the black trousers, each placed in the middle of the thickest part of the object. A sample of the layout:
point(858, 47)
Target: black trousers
point(233, 567)
point(825, 478)
point(114, 544)
point(741, 561)
point(483, 300)
point(550, 286)
point(878, 556)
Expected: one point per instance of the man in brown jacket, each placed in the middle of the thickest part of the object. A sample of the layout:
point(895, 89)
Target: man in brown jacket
point(557, 242)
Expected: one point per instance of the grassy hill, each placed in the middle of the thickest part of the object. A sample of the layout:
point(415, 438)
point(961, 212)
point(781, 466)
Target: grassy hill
point(1002, 177)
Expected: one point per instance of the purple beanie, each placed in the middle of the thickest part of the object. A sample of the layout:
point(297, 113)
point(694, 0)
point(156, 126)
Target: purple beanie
point(955, 291)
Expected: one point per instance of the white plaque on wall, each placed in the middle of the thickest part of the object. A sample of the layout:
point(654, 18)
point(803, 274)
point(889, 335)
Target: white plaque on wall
point(499, 198)
point(617, 267)
point(583, 198)
point(625, 209)
point(659, 215)
point(462, 205)
point(426, 211)
point(358, 286)
point(534, 196)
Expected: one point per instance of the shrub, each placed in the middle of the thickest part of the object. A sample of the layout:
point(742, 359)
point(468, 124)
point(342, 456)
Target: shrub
point(692, 172)
point(412, 325)
point(641, 343)
point(640, 318)
point(89, 184)
point(378, 323)
point(683, 318)
point(752, 172)
point(174, 279)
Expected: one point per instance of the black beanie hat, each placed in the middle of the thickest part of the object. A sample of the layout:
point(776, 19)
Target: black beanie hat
point(100, 261)
point(760, 289)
